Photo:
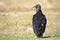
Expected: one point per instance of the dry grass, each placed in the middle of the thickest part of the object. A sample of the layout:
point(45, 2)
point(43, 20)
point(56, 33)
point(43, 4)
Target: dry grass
point(21, 22)
point(16, 16)
point(26, 5)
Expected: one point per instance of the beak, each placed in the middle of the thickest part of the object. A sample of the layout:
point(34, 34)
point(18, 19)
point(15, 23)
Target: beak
point(34, 7)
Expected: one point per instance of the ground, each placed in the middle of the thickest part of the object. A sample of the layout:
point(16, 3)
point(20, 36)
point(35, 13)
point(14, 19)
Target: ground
point(18, 26)
point(16, 19)
point(25, 37)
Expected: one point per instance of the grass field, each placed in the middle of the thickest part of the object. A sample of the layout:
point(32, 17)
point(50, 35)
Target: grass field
point(16, 19)
point(18, 26)
point(25, 37)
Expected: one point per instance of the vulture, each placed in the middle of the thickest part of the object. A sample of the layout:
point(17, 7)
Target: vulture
point(39, 22)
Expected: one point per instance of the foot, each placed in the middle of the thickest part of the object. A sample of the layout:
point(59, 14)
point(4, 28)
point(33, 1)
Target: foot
point(39, 36)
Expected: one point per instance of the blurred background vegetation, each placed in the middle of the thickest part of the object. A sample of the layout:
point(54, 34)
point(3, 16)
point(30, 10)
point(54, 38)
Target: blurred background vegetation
point(16, 16)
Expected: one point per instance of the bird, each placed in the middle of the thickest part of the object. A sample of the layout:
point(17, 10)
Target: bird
point(39, 21)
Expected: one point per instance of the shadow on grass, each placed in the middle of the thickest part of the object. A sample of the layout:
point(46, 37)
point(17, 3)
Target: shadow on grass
point(50, 36)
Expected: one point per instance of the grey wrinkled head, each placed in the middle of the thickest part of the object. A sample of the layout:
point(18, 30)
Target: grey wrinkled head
point(38, 7)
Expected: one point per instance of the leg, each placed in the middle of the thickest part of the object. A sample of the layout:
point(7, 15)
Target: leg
point(39, 35)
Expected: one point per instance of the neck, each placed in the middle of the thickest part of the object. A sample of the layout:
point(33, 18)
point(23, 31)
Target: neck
point(39, 12)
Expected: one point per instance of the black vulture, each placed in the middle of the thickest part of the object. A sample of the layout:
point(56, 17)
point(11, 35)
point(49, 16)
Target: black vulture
point(39, 22)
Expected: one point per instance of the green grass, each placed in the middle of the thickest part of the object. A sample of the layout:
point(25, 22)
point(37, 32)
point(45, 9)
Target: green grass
point(24, 37)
